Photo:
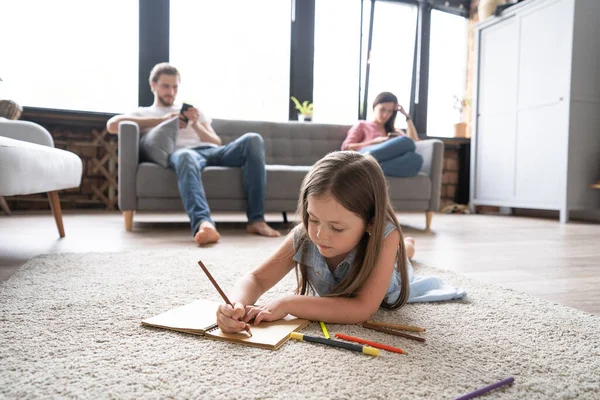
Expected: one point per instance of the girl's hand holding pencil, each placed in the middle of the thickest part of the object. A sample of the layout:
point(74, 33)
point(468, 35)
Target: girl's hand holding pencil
point(230, 318)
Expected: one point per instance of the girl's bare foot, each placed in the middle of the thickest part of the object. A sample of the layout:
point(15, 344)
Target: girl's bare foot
point(409, 245)
point(207, 233)
point(261, 228)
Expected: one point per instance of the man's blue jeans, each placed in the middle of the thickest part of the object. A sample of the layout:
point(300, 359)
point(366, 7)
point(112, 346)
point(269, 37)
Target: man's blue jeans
point(247, 152)
point(396, 156)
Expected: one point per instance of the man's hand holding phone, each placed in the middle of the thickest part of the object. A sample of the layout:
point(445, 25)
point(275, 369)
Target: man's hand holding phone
point(182, 113)
point(187, 114)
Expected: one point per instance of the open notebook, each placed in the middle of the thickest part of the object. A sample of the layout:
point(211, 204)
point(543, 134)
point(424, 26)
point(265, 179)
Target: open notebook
point(199, 317)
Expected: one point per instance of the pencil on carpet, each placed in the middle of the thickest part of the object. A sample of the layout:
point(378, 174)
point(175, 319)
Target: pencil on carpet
point(395, 326)
point(395, 333)
point(335, 343)
point(221, 292)
point(324, 328)
point(486, 389)
point(370, 343)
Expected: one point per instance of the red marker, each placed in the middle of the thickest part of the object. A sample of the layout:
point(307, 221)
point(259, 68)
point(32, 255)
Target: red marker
point(370, 343)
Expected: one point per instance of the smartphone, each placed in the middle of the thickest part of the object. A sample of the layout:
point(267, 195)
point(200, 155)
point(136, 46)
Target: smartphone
point(184, 107)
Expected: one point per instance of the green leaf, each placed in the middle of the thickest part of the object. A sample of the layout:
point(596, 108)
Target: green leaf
point(304, 108)
point(297, 103)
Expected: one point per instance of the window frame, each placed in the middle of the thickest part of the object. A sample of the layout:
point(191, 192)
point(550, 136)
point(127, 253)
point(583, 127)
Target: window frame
point(154, 27)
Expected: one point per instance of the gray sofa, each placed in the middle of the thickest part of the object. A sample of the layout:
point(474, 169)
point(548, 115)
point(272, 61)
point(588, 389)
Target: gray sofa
point(291, 149)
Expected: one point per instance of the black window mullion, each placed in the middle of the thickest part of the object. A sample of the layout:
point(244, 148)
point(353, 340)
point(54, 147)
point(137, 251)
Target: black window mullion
point(153, 42)
point(365, 98)
point(414, 85)
point(360, 60)
point(302, 53)
point(419, 109)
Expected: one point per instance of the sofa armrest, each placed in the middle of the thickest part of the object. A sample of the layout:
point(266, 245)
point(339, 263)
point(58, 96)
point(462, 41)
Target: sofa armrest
point(129, 154)
point(432, 151)
point(25, 131)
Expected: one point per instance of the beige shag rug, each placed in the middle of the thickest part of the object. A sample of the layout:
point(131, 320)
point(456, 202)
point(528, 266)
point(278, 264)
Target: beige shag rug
point(70, 328)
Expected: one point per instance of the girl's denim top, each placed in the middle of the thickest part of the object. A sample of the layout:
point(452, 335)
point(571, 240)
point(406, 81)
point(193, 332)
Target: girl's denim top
point(323, 280)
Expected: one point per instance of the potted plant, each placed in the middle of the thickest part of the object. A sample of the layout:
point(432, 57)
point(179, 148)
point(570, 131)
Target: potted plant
point(305, 110)
point(460, 128)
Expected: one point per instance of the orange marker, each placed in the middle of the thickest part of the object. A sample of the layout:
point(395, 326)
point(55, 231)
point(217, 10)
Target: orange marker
point(370, 343)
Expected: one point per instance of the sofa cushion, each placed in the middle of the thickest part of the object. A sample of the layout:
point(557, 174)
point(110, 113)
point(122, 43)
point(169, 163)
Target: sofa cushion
point(27, 168)
point(283, 182)
point(158, 144)
point(287, 143)
point(414, 188)
point(219, 182)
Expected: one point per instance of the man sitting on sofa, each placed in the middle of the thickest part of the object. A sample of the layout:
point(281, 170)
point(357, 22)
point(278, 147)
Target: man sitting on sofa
point(198, 146)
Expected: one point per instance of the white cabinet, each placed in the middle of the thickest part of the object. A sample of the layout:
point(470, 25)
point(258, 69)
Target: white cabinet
point(498, 62)
point(544, 46)
point(536, 133)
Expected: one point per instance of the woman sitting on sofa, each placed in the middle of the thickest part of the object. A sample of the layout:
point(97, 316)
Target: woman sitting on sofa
point(392, 147)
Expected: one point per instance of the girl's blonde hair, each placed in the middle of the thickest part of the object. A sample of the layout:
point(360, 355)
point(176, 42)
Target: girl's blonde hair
point(356, 181)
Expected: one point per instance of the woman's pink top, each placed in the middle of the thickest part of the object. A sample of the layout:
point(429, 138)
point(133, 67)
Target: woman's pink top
point(363, 131)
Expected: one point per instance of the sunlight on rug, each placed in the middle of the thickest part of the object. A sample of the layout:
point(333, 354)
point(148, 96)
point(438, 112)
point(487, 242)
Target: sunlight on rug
point(70, 327)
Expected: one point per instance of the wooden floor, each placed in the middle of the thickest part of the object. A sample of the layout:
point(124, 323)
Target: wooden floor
point(560, 263)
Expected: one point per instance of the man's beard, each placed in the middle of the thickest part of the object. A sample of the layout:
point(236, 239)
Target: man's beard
point(165, 102)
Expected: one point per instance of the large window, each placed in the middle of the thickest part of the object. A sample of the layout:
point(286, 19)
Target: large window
point(234, 56)
point(340, 71)
point(337, 61)
point(392, 53)
point(70, 54)
point(447, 72)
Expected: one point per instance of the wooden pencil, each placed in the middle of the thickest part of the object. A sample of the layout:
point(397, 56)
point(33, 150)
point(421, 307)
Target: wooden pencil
point(395, 333)
point(221, 292)
point(396, 326)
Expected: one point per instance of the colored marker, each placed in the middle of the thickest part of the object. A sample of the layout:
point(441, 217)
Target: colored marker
point(324, 328)
point(370, 343)
point(335, 343)
point(486, 389)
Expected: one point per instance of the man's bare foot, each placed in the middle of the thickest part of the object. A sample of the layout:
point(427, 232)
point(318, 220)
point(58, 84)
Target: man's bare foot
point(261, 228)
point(207, 233)
point(409, 245)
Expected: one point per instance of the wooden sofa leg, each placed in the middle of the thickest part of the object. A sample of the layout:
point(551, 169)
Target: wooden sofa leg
point(4, 206)
point(57, 212)
point(285, 220)
point(128, 215)
point(428, 217)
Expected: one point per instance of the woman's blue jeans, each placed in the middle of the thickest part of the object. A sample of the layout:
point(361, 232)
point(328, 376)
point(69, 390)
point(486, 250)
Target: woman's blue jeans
point(247, 152)
point(396, 156)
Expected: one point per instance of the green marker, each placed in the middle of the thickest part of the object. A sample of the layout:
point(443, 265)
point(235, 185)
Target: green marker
point(335, 343)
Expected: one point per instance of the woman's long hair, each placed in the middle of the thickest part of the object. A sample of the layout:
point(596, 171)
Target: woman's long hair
point(388, 97)
point(356, 181)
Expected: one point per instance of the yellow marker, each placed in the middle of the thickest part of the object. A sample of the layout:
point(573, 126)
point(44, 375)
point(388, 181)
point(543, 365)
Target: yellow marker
point(335, 343)
point(324, 328)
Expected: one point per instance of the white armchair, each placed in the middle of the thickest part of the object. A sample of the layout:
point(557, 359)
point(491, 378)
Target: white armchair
point(29, 163)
